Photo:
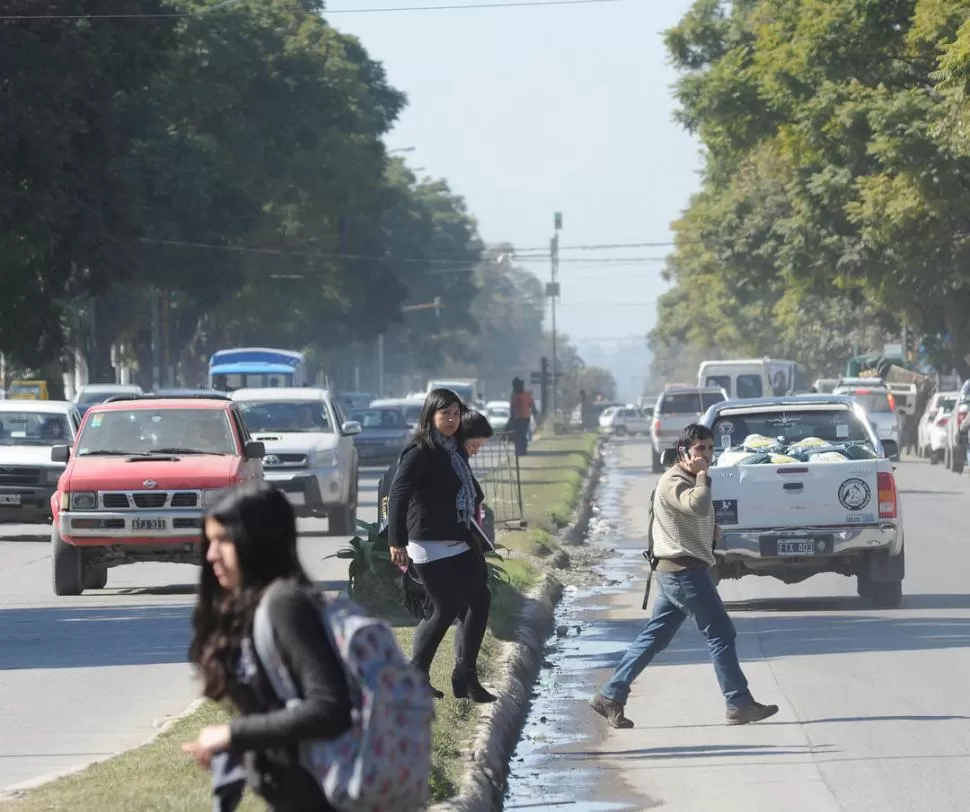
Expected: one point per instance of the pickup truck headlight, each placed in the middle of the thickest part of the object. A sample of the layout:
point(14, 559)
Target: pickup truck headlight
point(84, 500)
point(53, 475)
point(324, 459)
point(210, 497)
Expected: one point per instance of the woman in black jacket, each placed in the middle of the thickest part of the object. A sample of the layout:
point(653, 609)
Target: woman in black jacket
point(431, 505)
point(249, 542)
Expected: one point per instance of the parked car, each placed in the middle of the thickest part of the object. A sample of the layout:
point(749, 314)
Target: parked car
point(138, 480)
point(310, 450)
point(383, 435)
point(931, 431)
point(28, 476)
point(955, 454)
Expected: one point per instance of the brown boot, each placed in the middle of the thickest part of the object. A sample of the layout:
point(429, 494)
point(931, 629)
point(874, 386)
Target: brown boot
point(611, 711)
point(755, 712)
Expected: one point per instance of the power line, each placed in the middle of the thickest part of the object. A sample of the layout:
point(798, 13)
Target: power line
point(647, 303)
point(220, 9)
point(597, 246)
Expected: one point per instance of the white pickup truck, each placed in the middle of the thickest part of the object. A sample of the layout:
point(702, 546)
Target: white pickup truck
point(795, 515)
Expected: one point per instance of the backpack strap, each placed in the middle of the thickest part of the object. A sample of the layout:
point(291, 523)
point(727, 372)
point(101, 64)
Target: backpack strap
point(269, 655)
point(648, 554)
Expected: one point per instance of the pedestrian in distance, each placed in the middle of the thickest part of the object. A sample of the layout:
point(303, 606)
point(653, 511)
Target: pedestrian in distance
point(249, 543)
point(683, 535)
point(522, 407)
point(432, 503)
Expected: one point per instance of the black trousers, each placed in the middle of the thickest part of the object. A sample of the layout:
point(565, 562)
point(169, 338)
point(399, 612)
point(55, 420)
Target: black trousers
point(453, 584)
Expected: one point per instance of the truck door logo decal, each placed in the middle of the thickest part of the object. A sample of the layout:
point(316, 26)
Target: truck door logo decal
point(854, 494)
point(726, 511)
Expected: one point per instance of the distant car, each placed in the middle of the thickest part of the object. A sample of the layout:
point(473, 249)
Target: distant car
point(498, 412)
point(28, 476)
point(933, 424)
point(677, 407)
point(138, 481)
point(351, 401)
point(409, 407)
point(879, 405)
point(100, 392)
point(310, 450)
point(623, 420)
point(383, 435)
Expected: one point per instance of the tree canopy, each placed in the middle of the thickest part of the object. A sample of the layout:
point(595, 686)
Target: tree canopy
point(836, 184)
point(202, 176)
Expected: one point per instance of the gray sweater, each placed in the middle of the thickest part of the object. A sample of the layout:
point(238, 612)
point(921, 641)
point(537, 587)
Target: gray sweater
point(683, 520)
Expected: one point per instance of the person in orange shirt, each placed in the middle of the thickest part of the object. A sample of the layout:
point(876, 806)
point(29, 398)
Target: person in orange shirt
point(523, 408)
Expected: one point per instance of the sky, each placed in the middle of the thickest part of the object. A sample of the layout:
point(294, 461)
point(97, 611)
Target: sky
point(526, 111)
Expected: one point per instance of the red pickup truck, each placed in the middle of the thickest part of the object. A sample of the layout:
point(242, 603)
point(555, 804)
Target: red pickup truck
point(138, 480)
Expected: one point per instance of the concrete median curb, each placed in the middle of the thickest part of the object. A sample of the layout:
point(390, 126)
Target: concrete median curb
point(484, 781)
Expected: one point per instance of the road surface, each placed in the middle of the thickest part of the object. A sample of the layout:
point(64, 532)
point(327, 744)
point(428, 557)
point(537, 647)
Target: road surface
point(83, 678)
point(874, 710)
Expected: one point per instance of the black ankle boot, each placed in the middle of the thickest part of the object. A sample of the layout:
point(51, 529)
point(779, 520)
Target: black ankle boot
point(465, 685)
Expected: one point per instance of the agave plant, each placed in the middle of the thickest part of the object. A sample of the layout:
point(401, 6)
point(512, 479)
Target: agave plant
point(363, 550)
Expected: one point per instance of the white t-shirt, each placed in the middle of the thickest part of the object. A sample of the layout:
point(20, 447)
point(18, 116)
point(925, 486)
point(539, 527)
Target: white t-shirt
point(424, 552)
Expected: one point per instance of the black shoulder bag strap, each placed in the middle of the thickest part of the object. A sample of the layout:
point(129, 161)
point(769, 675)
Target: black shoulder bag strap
point(648, 553)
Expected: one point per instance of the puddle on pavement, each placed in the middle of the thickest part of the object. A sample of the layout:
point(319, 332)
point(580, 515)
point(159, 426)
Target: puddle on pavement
point(548, 768)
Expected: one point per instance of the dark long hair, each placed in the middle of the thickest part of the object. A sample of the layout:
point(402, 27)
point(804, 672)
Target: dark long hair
point(436, 401)
point(262, 526)
point(475, 426)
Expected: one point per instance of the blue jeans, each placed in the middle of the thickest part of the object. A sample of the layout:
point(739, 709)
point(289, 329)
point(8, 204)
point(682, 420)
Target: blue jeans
point(681, 594)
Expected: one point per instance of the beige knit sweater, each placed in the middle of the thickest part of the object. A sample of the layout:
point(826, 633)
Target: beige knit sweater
point(683, 517)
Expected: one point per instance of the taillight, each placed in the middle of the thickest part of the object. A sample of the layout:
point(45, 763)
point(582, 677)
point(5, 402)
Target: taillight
point(942, 421)
point(886, 485)
point(962, 411)
point(656, 425)
point(892, 402)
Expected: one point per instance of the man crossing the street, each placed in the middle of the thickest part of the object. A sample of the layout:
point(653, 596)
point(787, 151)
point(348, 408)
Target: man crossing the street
point(683, 532)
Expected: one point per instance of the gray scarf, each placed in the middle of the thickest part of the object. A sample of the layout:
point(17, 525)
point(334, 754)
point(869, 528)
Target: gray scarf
point(465, 503)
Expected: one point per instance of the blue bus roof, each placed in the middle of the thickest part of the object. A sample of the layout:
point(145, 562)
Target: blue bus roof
point(255, 360)
point(251, 368)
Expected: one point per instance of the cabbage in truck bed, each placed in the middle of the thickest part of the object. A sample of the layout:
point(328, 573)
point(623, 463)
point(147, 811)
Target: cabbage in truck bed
point(760, 450)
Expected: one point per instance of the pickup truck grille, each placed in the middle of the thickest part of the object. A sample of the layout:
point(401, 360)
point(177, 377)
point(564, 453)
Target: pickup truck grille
point(15, 475)
point(124, 500)
point(285, 461)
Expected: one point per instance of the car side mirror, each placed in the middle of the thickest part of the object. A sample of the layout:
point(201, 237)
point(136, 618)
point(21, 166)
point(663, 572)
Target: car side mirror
point(891, 447)
point(350, 428)
point(668, 457)
point(255, 450)
point(60, 453)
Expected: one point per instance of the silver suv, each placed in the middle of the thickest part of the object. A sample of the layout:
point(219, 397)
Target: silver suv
point(677, 407)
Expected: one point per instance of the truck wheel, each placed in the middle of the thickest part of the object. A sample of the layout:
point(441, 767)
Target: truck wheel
point(65, 566)
point(658, 467)
point(343, 519)
point(958, 459)
point(95, 576)
point(885, 594)
point(934, 456)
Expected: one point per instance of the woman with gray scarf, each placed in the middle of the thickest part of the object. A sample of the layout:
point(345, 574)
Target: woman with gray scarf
point(431, 505)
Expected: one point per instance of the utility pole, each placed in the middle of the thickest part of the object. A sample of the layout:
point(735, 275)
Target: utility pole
point(552, 291)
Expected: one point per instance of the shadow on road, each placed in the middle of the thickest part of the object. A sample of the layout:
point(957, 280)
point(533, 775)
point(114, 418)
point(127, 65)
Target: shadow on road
point(81, 637)
point(787, 635)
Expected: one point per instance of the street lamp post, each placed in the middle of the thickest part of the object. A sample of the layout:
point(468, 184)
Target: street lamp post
point(552, 291)
point(435, 305)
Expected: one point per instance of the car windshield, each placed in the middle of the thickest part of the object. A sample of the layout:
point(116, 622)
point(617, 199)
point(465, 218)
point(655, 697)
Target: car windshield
point(156, 431)
point(836, 426)
point(872, 402)
point(681, 403)
point(287, 416)
point(946, 404)
point(371, 419)
point(34, 428)
point(499, 411)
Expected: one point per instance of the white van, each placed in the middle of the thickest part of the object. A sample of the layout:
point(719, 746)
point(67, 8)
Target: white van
point(754, 377)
